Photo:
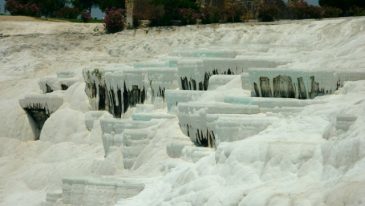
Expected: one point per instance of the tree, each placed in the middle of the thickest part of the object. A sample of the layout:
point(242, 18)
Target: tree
point(146, 10)
point(344, 5)
point(108, 4)
point(22, 8)
point(269, 10)
point(46, 7)
point(83, 4)
point(301, 10)
point(233, 10)
point(171, 9)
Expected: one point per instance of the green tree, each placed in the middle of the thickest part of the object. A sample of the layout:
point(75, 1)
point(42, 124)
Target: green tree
point(343, 4)
point(269, 10)
point(171, 7)
point(108, 4)
point(83, 4)
point(233, 10)
point(47, 7)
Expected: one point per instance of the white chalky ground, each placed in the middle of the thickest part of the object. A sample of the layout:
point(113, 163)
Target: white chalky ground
point(268, 151)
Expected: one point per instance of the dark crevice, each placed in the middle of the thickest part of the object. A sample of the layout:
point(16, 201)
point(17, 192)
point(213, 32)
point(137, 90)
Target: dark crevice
point(102, 97)
point(93, 90)
point(64, 87)
point(48, 89)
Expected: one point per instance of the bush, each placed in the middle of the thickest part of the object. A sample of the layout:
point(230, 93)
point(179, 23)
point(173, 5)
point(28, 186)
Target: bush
point(114, 20)
point(67, 13)
point(301, 10)
point(267, 13)
point(331, 12)
point(86, 16)
point(188, 16)
point(269, 10)
point(356, 11)
point(146, 10)
point(314, 12)
point(233, 10)
point(210, 14)
point(17, 8)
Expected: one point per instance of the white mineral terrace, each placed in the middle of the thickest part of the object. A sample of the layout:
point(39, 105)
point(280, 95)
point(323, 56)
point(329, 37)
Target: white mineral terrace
point(49, 102)
point(62, 81)
point(233, 114)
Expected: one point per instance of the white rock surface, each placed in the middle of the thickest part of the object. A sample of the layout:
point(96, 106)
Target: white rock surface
point(301, 159)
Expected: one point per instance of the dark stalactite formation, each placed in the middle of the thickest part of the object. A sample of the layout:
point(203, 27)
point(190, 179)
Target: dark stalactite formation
point(161, 92)
point(302, 91)
point(102, 98)
point(98, 91)
point(191, 84)
point(202, 139)
point(284, 87)
point(127, 98)
point(39, 115)
point(265, 87)
point(205, 139)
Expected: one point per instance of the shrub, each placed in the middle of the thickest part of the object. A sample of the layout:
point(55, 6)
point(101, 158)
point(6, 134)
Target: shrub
point(356, 11)
point(17, 8)
point(86, 16)
point(67, 13)
point(268, 13)
point(146, 10)
point(330, 12)
point(314, 12)
point(210, 14)
point(188, 16)
point(114, 20)
point(301, 10)
point(233, 10)
point(269, 10)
